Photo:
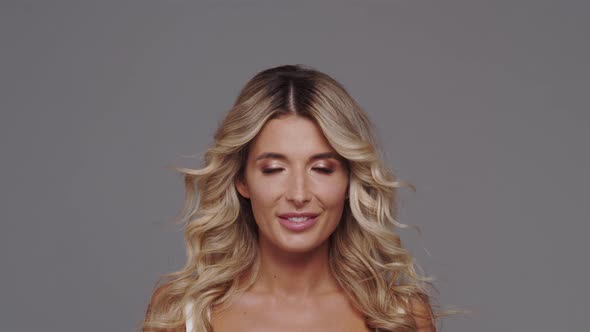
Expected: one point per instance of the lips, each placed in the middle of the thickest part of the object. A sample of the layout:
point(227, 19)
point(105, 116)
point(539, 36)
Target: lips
point(298, 215)
point(298, 222)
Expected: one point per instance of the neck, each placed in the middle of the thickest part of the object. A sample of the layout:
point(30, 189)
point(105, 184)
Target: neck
point(294, 274)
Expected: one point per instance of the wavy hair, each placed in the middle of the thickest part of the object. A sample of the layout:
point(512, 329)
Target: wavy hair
point(366, 256)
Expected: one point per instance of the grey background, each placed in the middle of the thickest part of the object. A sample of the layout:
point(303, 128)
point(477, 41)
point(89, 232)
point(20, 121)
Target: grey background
point(482, 105)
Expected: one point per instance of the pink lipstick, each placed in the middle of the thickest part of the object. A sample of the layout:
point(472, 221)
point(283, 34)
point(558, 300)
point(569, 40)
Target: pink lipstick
point(298, 222)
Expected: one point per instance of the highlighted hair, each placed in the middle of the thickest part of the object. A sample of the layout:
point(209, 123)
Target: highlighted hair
point(366, 255)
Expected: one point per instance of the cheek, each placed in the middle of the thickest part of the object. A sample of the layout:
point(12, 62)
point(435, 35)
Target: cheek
point(332, 193)
point(263, 192)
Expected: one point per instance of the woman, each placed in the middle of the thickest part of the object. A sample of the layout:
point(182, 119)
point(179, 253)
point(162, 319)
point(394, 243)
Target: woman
point(289, 225)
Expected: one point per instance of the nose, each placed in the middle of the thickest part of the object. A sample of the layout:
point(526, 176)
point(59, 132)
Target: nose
point(298, 192)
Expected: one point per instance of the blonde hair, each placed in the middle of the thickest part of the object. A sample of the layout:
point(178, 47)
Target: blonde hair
point(365, 256)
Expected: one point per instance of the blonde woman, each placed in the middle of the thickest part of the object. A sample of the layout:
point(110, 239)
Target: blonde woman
point(290, 223)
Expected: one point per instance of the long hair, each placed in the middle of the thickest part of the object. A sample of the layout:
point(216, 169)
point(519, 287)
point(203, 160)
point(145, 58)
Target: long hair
point(366, 256)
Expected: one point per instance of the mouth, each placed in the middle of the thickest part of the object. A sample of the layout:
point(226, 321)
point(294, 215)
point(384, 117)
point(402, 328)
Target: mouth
point(298, 222)
point(298, 219)
point(298, 215)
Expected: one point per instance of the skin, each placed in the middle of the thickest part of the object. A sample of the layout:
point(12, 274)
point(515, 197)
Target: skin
point(295, 290)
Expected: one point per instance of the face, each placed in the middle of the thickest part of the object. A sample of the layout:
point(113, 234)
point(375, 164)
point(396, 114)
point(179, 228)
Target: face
point(296, 183)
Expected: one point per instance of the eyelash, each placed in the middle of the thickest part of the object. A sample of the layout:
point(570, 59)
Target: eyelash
point(270, 170)
point(323, 170)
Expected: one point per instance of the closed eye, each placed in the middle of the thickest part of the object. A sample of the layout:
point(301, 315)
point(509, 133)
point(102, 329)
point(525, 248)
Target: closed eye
point(271, 170)
point(324, 170)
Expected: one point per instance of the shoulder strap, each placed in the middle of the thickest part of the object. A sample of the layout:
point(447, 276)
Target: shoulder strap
point(188, 314)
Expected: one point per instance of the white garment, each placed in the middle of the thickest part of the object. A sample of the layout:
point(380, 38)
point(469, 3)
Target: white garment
point(188, 313)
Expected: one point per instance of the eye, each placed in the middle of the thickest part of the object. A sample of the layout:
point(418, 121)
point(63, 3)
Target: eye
point(271, 170)
point(324, 170)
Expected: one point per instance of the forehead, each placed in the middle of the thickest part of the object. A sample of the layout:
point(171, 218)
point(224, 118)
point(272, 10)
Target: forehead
point(292, 135)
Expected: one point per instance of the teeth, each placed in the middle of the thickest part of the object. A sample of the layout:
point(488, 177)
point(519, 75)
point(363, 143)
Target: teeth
point(298, 219)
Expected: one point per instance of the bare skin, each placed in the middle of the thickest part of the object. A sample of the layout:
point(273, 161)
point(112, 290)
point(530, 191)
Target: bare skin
point(295, 290)
point(296, 296)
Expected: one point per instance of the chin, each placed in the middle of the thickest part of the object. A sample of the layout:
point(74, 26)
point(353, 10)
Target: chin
point(301, 249)
point(300, 245)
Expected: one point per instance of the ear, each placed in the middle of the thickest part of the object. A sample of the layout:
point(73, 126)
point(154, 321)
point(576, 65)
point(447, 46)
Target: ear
point(242, 188)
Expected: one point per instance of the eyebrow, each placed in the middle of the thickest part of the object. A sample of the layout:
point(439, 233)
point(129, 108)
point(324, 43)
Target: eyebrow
point(323, 155)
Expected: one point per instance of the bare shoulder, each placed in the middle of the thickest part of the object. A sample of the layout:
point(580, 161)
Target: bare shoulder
point(421, 311)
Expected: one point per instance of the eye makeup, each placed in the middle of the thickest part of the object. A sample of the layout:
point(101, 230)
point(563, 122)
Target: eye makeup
point(328, 165)
point(271, 170)
point(324, 169)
